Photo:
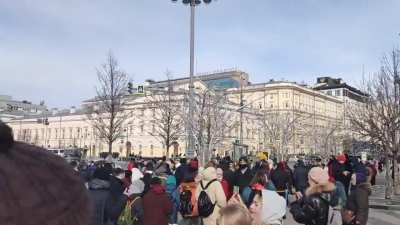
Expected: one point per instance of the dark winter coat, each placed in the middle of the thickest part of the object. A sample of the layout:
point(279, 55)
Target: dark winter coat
point(156, 208)
point(243, 179)
point(99, 191)
point(357, 202)
point(338, 170)
point(300, 177)
point(281, 179)
point(312, 209)
point(116, 201)
point(180, 172)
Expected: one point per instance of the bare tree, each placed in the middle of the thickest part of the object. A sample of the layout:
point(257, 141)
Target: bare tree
point(279, 128)
point(379, 120)
point(167, 115)
point(324, 137)
point(212, 119)
point(107, 113)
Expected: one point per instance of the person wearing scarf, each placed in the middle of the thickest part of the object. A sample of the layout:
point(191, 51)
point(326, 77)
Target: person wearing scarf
point(156, 204)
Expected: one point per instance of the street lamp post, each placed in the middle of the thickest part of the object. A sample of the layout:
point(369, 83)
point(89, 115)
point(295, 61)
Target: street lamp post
point(193, 4)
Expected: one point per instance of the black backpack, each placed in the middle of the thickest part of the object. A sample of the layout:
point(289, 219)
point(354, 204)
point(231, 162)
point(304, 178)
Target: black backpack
point(185, 203)
point(204, 204)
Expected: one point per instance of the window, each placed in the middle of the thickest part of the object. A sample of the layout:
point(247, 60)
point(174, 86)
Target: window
point(142, 112)
point(287, 104)
point(272, 106)
point(154, 112)
point(260, 105)
point(329, 92)
point(337, 93)
point(141, 128)
point(153, 129)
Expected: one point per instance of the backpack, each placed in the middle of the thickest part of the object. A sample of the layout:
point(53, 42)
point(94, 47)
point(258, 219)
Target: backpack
point(204, 204)
point(126, 217)
point(187, 199)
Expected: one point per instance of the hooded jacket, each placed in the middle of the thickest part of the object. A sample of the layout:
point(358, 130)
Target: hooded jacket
point(214, 191)
point(156, 207)
point(272, 213)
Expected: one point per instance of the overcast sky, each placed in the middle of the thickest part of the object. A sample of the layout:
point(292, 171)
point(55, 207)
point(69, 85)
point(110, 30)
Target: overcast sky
point(49, 49)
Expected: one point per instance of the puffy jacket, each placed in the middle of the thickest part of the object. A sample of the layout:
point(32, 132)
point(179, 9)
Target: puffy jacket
point(311, 210)
point(214, 192)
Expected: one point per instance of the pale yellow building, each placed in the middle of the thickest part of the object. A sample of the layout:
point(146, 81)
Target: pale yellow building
point(312, 112)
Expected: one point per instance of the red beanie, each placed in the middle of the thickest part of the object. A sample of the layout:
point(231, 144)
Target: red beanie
point(341, 158)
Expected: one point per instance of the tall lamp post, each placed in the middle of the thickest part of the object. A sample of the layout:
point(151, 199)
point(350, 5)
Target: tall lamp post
point(193, 4)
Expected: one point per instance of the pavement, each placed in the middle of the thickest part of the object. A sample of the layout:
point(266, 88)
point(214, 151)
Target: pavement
point(377, 199)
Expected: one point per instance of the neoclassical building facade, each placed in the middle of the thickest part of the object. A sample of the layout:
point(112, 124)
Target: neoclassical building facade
point(312, 114)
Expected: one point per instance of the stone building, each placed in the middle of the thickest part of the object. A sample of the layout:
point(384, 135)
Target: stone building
point(316, 119)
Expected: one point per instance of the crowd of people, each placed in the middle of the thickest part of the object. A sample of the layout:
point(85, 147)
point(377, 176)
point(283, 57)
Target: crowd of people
point(161, 192)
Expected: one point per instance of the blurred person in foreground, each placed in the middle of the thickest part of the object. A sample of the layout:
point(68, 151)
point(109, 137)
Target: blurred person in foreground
point(234, 214)
point(313, 208)
point(33, 186)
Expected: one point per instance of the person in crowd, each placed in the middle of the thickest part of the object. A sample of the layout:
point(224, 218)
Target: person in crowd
point(372, 171)
point(234, 214)
point(358, 200)
point(228, 175)
point(38, 187)
point(243, 175)
point(187, 195)
point(147, 176)
point(300, 181)
point(163, 169)
point(131, 164)
point(341, 172)
point(313, 208)
point(181, 170)
point(259, 182)
point(99, 191)
point(215, 192)
point(134, 209)
point(224, 183)
point(282, 180)
point(156, 204)
point(259, 164)
point(173, 194)
point(127, 178)
point(267, 207)
point(116, 200)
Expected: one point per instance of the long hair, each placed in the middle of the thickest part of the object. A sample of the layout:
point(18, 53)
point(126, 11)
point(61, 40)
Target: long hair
point(259, 177)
